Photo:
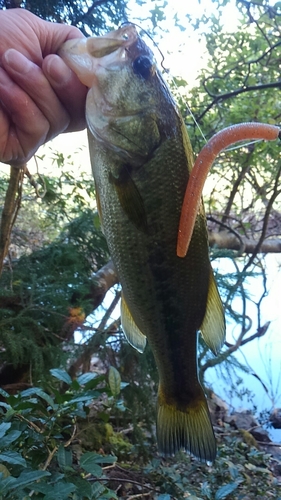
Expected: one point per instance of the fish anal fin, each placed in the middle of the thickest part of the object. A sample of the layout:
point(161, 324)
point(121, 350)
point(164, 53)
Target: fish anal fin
point(213, 325)
point(132, 333)
point(130, 198)
point(189, 429)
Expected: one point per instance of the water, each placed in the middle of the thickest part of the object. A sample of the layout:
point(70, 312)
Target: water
point(262, 356)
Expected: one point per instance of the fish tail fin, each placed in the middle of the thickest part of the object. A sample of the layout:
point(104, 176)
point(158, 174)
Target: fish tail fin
point(186, 427)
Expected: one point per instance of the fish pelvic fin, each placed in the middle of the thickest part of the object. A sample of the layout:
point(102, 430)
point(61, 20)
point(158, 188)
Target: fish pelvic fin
point(189, 429)
point(132, 333)
point(213, 325)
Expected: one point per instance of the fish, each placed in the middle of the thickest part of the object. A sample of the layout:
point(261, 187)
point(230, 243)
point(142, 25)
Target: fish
point(142, 159)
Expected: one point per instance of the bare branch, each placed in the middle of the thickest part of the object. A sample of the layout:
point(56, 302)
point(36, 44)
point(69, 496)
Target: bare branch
point(10, 209)
point(273, 197)
point(210, 363)
point(234, 93)
point(228, 241)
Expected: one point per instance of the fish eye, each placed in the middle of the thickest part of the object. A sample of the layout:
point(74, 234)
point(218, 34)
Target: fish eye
point(143, 66)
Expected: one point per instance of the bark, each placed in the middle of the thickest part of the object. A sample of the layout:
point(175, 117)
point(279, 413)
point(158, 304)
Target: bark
point(228, 241)
point(10, 210)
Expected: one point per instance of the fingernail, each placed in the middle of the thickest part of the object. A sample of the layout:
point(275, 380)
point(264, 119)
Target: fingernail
point(57, 71)
point(17, 61)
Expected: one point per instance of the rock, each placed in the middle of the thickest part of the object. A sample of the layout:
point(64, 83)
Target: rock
point(241, 420)
point(218, 409)
point(261, 434)
point(275, 418)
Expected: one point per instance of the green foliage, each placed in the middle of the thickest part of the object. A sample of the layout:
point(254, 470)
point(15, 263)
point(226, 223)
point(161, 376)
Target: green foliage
point(51, 439)
point(37, 433)
point(90, 19)
point(240, 82)
point(43, 452)
point(43, 286)
point(240, 471)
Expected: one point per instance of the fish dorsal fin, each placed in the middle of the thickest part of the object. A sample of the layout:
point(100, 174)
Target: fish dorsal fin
point(213, 326)
point(130, 198)
point(133, 334)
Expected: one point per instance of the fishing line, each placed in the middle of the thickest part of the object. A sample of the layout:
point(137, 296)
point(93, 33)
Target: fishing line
point(167, 71)
point(153, 41)
point(243, 145)
point(196, 123)
point(189, 110)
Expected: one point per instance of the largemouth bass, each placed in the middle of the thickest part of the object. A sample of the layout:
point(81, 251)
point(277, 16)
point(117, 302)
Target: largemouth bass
point(141, 159)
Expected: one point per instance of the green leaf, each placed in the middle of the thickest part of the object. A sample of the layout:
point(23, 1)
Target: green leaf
point(114, 380)
point(38, 392)
point(87, 396)
point(58, 397)
point(108, 494)
point(75, 386)
point(85, 378)
point(83, 486)
point(95, 381)
point(61, 491)
point(9, 438)
point(58, 491)
point(4, 393)
point(164, 496)
point(92, 468)
point(97, 490)
point(101, 459)
point(89, 462)
point(30, 477)
point(61, 375)
point(5, 405)
point(224, 491)
point(6, 484)
point(64, 457)
point(4, 427)
point(12, 457)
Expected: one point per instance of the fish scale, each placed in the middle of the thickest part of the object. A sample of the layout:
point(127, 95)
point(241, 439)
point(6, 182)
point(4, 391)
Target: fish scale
point(141, 159)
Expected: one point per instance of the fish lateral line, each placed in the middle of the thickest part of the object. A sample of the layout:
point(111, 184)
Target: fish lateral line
point(219, 142)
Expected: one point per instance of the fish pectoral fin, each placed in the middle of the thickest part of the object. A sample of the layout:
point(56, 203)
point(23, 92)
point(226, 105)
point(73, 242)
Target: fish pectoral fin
point(213, 325)
point(186, 428)
point(132, 333)
point(130, 198)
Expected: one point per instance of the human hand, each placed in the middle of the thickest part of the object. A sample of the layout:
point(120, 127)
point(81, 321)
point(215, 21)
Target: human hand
point(40, 97)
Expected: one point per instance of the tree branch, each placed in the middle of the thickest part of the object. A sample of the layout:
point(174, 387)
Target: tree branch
point(273, 197)
point(10, 209)
point(225, 240)
point(210, 363)
point(96, 3)
point(234, 93)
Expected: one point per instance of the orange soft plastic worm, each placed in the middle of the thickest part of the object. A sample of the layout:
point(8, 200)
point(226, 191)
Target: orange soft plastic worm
point(202, 165)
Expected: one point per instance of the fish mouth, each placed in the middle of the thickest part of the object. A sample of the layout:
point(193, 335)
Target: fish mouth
point(106, 44)
point(86, 55)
